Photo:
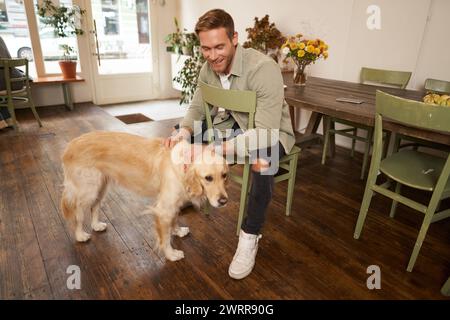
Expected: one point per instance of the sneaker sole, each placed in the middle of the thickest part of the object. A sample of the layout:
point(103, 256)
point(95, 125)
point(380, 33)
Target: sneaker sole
point(241, 275)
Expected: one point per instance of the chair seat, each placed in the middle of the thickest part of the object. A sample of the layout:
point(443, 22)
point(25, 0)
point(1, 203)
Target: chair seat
point(414, 169)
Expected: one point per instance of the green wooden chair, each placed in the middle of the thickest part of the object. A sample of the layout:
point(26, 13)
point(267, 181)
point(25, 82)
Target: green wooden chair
point(412, 168)
point(13, 98)
point(435, 86)
point(245, 101)
point(398, 79)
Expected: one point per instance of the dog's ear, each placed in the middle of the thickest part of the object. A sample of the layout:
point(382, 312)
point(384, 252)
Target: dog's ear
point(193, 183)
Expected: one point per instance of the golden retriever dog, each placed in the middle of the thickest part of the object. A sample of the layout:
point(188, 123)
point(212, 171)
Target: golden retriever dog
point(172, 177)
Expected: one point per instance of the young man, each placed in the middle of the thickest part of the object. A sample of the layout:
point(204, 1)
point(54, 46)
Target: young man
point(230, 66)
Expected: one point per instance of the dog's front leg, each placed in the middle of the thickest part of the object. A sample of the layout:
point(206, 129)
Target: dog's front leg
point(163, 225)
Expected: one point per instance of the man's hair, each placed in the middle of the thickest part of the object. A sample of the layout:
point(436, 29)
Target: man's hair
point(214, 19)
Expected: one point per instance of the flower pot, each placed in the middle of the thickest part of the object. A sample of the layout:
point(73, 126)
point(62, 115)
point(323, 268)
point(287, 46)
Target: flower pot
point(68, 69)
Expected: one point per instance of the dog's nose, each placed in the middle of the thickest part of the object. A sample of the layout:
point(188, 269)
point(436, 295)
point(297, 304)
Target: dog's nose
point(223, 201)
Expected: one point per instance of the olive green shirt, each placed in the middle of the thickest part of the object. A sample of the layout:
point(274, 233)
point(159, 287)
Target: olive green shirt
point(254, 71)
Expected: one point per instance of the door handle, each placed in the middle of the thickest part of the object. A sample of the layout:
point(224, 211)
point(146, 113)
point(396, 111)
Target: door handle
point(96, 43)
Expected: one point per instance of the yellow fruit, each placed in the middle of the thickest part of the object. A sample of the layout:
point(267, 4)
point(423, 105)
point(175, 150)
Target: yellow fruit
point(436, 98)
point(448, 102)
point(443, 102)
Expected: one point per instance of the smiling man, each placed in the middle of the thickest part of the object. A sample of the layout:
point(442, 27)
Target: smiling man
point(230, 66)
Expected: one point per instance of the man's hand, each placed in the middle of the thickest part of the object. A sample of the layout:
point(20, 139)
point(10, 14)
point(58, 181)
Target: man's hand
point(177, 136)
point(223, 148)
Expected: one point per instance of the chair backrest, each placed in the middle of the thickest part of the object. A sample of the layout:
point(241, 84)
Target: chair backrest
point(233, 100)
point(439, 86)
point(412, 113)
point(7, 65)
point(395, 78)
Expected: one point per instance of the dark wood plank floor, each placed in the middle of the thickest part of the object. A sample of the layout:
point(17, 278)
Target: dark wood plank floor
point(309, 255)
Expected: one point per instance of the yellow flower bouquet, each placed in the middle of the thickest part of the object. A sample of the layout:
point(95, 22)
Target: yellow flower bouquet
point(303, 52)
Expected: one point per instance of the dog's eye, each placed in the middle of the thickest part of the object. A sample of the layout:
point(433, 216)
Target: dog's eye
point(224, 176)
point(209, 178)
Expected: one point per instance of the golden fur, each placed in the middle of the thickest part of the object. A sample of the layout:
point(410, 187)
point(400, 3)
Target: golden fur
point(172, 177)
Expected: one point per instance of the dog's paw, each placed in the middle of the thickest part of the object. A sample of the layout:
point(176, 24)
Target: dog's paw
point(82, 236)
point(181, 231)
point(174, 255)
point(99, 226)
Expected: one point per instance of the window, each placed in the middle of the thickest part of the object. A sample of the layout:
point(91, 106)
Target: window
point(14, 31)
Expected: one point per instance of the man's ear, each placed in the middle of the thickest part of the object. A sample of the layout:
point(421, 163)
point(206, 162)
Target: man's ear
point(234, 40)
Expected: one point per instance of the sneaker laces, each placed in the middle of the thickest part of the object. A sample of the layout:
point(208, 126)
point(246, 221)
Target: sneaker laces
point(245, 248)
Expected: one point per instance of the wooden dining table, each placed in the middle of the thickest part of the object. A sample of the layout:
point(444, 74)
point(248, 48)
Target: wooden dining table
point(319, 96)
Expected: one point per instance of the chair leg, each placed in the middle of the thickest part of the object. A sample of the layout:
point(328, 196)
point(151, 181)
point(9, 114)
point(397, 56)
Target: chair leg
point(366, 153)
point(206, 208)
point(291, 183)
point(387, 140)
point(398, 187)
point(12, 112)
point(422, 233)
point(326, 138)
point(397, 141)
point(446, 288)
point(244, 195)
point(363, 212)
point(368, 193)
point(33, 107)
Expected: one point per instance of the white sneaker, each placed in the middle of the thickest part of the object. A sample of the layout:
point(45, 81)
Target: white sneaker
point(244, 258)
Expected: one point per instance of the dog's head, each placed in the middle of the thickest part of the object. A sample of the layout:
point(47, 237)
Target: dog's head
point(206, 173)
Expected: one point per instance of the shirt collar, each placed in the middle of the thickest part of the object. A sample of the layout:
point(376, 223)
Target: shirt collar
point(236, 65)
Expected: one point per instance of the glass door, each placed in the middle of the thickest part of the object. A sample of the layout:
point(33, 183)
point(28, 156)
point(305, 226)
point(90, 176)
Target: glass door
point(122, 50)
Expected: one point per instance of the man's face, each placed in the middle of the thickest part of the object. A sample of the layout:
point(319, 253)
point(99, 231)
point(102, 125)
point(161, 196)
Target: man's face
point(218, 49)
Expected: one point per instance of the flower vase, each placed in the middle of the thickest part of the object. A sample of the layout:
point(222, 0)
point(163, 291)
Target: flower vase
point(300, 75)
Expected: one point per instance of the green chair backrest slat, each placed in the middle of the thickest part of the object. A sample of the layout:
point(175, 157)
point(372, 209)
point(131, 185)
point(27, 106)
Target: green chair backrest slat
point(12, 63)
point(390, 77)
point(234, 100)
point(413, 113)
point(439, 86)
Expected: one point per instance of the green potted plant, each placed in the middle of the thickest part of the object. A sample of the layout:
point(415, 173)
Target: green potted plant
point(264, 37)
point(65, 22)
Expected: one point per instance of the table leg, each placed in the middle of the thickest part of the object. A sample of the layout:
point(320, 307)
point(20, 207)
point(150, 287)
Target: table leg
point(332, 141)
point(67, 96)
point(311, 129)
point(293, 120)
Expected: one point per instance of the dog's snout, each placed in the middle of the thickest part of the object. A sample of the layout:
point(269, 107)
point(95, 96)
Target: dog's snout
point(223, 201)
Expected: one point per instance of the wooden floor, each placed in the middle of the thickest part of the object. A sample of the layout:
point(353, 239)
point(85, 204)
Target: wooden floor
point(309, 255)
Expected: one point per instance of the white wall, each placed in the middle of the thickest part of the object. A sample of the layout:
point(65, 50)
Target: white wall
point(413, 36)
point(434, 53)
